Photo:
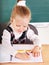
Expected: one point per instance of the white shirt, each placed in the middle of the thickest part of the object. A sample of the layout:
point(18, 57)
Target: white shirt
point(6, 43)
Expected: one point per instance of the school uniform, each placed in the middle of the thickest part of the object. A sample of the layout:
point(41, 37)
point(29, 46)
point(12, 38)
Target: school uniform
point(11, 38)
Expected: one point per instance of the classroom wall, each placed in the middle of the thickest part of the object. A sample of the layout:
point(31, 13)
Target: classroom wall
point(43, 30)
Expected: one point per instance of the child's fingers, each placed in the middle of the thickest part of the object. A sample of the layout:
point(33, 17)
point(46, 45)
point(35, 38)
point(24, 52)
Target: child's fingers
point(36, 54)
point(23, 56)
point(28, 53)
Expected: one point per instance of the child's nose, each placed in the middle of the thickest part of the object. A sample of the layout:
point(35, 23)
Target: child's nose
point(21, 29)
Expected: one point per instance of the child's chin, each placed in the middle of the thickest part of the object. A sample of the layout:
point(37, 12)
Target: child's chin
point(19, 32)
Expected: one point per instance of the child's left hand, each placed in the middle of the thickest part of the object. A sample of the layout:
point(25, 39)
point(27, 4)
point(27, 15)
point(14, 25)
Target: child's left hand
point(36, 51)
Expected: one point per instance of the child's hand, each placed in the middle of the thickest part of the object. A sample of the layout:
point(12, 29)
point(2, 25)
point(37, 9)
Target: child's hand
point(22, 56)
point(36, 51)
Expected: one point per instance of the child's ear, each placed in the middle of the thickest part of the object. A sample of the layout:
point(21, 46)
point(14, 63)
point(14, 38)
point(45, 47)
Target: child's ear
point(11, 20)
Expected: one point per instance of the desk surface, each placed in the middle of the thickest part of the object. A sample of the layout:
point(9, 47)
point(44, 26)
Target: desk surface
point(45, 54)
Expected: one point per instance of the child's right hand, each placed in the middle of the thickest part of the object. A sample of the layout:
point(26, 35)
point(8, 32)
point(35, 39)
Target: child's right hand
point(22, 56)
point(36, 51)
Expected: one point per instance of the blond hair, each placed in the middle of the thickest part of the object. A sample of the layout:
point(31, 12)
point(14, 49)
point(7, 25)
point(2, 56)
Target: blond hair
point(22, 11)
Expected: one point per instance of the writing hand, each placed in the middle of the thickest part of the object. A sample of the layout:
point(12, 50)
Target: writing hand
point(22, 56)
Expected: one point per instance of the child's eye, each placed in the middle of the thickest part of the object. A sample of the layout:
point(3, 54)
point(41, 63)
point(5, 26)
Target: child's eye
point(25, 26)
point(18, 25)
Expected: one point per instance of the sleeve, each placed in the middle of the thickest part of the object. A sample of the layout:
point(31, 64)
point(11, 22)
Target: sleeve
point(6, 43)
point(33, 37)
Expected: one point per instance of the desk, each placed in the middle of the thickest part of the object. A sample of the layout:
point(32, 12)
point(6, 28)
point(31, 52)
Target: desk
point(45, 54)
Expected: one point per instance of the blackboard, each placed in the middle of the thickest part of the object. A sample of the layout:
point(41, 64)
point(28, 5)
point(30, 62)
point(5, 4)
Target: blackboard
point(39, 10)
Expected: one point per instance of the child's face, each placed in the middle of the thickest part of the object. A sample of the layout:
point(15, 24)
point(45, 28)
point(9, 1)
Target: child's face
point(20, 24)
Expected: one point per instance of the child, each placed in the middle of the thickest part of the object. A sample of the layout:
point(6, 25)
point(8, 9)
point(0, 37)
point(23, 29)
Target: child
point(20, 31)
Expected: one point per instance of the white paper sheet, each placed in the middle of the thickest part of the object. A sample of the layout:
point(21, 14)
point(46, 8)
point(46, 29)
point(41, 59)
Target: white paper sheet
point(32, 59)
point(6, 58)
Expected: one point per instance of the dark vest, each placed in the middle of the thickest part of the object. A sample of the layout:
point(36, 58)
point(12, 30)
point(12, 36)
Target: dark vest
point(22, 39)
